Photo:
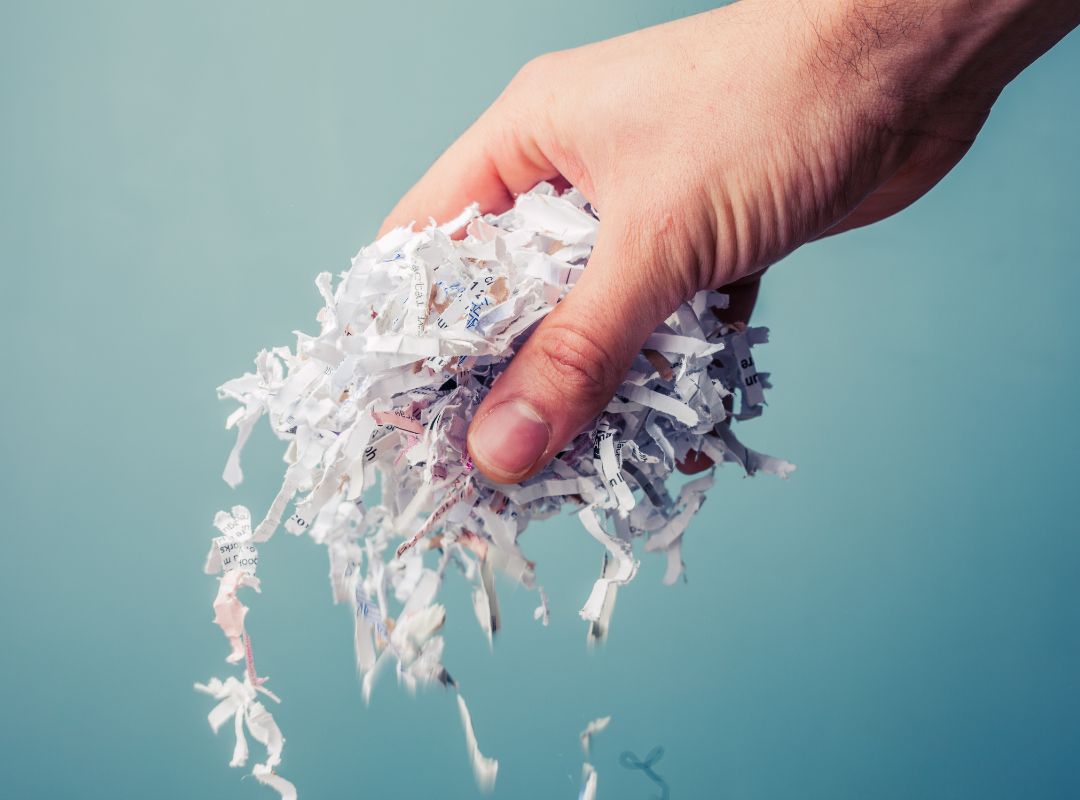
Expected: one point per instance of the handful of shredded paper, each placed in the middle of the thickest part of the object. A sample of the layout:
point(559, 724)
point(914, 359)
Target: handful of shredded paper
point(412, 336)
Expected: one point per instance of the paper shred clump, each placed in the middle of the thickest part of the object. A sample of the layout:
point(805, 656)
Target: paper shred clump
point(411, 337)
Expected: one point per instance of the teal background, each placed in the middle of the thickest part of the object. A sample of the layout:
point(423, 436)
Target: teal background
point(899, 620)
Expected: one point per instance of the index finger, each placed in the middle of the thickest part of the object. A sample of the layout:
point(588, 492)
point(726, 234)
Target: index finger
point(494, 160)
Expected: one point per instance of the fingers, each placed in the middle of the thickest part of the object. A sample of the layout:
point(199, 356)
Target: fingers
point(570, 367)
point(742, 298)
point(495, 159)
point(694, 463)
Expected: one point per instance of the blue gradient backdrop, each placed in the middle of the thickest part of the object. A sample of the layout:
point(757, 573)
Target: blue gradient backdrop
point(899, 620)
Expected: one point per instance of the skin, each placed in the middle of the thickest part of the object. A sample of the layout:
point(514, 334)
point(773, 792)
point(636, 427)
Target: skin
point(712, 147)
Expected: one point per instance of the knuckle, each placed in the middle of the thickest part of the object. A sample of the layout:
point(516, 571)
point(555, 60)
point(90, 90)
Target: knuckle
point(576, 364)
point(536, 70)
point(535, 85)
point(524, 109)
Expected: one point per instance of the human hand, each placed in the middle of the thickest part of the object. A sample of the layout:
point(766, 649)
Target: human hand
point(712, 147)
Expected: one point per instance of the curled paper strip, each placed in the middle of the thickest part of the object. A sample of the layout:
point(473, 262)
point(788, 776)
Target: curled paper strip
point(237, 701)
point(630, 761)
point(374, 409)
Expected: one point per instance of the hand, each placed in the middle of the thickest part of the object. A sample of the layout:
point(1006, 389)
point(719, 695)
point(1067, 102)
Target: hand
point(712, 147)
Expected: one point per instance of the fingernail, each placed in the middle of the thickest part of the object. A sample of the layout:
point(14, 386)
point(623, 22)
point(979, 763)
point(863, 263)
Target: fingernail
point(510, 438)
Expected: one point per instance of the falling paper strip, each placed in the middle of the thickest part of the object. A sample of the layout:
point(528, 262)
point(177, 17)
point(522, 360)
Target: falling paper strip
point(484, 769)
point(588, 771)
point(594, 727)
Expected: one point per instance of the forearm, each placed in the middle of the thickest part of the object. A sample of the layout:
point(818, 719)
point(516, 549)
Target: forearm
point(998, 39)
point(922, 52)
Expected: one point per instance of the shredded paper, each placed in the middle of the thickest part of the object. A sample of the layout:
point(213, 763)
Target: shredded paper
point(377, 405)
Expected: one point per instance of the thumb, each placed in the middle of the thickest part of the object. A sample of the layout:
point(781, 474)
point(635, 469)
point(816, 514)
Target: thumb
point(570, 367)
